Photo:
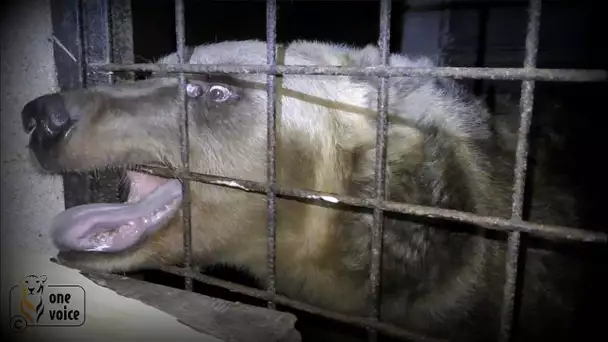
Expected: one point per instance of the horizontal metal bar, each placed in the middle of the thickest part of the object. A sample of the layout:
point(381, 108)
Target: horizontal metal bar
point(494, 223)
point(282, 300)
point(570, 75)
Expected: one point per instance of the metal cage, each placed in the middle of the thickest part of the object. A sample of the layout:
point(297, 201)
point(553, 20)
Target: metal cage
point(101, 32)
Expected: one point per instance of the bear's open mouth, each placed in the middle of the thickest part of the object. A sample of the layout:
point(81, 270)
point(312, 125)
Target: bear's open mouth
point(113, 227)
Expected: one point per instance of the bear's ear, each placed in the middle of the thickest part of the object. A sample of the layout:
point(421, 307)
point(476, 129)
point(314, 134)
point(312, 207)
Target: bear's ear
point(172, 59)
point(370, 56)
point(42, 278)
point(400, 88)
point(367, 57)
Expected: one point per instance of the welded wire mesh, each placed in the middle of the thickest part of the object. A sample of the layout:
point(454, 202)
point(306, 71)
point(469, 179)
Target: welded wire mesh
point(515, 226)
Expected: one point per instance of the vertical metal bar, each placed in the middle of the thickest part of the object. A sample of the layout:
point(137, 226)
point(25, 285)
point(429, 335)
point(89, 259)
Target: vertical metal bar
point(271, 37)
point(122, 33)
point(380, 167)
point(509, 311)
point(68, 51)
point(84, 33)
point(98, 46)
point(118, 50)
point(97, 41)
point(180, 35)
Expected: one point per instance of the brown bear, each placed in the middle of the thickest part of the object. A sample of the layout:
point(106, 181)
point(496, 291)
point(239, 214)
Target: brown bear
point(444, 149)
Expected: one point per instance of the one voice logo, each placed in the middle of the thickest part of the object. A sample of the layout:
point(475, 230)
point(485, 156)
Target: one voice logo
point(34, 303)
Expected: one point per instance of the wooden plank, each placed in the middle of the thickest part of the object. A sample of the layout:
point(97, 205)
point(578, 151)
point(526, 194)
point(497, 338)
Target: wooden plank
point(225, 320)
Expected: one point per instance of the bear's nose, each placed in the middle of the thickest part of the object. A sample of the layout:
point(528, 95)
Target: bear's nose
point(48, 121)
point(48, 115)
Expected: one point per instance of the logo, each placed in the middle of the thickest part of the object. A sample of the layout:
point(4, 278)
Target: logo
point(34, 303)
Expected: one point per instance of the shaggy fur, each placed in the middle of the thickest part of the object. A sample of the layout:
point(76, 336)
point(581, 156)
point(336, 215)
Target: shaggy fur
point(444, 149)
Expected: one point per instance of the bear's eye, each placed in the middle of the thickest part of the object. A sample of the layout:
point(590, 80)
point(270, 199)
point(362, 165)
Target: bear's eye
point(194, 90)
point(219, 93)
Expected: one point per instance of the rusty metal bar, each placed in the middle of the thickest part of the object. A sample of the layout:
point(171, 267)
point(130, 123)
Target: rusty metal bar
point(122, 32)
point(363, 322)
point(512, 74)
point(375, 275)
point(98, 41)
point(69, 34)
point(509, 310)
point(101, 46)
point(184, 139)
point(271, 46)
point(490, 222)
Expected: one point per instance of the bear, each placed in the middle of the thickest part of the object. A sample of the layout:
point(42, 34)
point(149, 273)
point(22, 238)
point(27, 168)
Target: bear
point(444, 149)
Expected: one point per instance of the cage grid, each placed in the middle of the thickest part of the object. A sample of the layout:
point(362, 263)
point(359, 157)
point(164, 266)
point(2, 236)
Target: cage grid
point(516, 225)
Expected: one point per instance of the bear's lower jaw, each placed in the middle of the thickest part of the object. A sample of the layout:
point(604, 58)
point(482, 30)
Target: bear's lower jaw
point(113, 227)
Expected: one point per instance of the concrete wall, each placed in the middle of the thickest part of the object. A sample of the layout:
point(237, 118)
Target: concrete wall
point(30, 200)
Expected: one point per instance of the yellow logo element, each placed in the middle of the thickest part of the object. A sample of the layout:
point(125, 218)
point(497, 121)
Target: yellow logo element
point(32, 292)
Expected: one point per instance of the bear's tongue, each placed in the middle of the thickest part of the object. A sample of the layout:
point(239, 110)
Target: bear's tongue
point(112, 227)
